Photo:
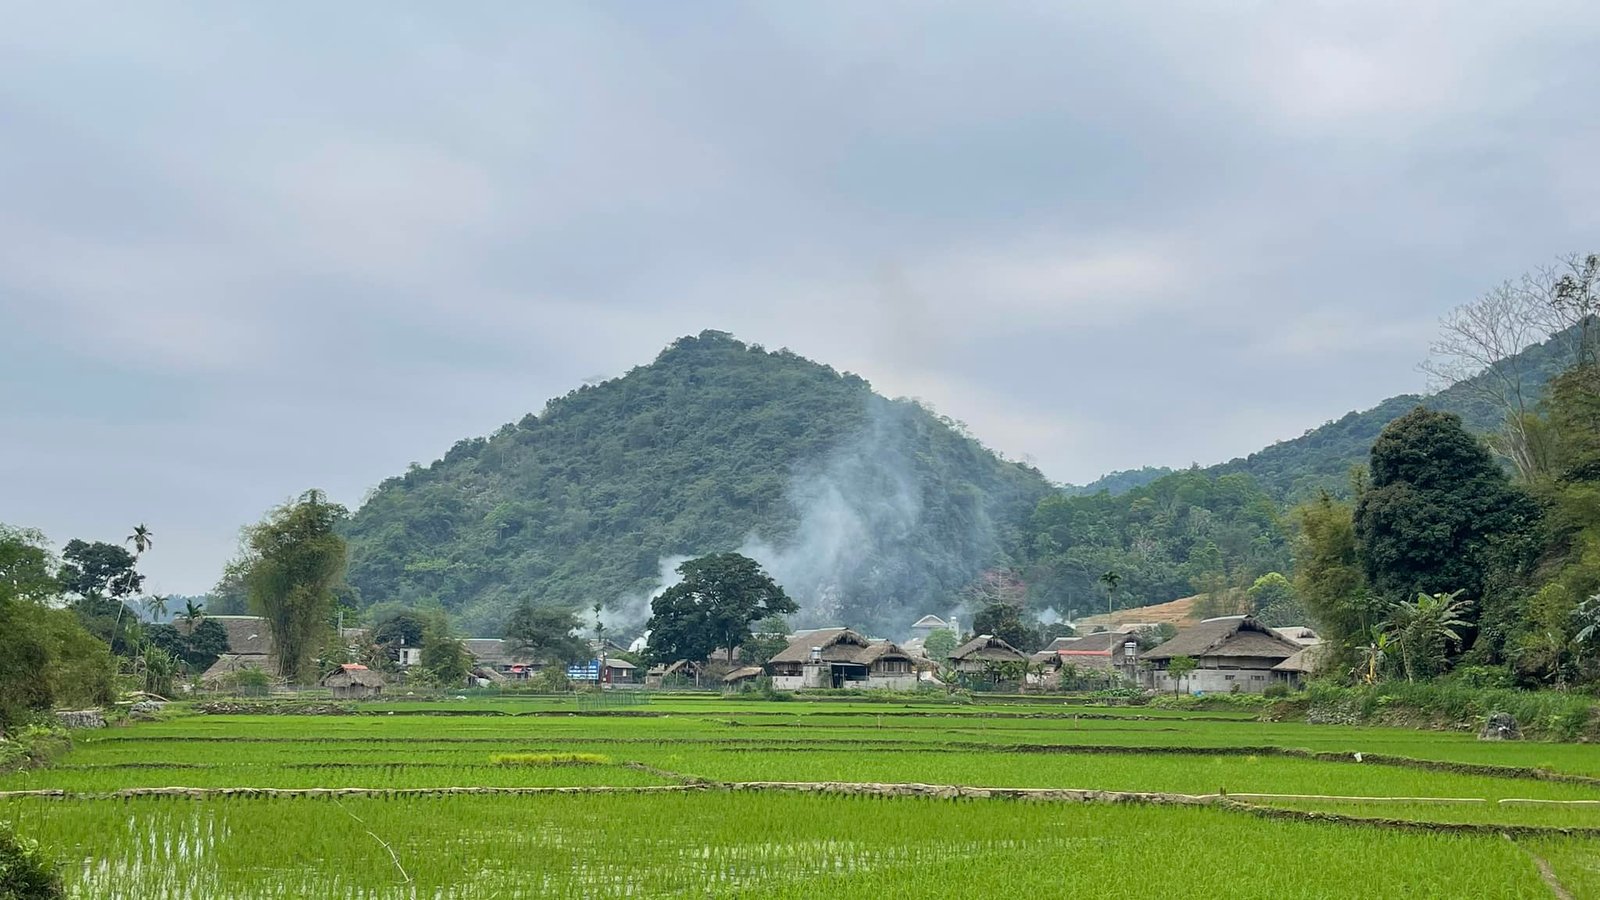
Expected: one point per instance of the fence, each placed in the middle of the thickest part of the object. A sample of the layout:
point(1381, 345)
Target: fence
point(611, 699)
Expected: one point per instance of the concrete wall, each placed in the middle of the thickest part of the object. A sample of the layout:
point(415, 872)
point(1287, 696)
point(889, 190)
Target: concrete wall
point(1214, 681)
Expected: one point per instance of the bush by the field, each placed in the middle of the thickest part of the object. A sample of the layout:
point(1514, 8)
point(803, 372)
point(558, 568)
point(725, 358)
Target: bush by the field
point(25, 872)
point(1450, 703)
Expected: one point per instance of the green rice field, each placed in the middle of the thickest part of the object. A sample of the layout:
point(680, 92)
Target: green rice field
point(688, 797)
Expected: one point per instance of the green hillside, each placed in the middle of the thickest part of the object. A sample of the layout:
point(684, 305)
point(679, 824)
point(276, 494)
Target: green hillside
point(867, 510)
point(1321, 459)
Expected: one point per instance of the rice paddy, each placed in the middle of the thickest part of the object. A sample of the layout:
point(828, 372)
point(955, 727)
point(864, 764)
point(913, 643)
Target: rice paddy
point(479, 799)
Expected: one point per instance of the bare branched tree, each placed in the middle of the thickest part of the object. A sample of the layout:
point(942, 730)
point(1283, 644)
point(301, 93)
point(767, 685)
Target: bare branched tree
point(1570, 293)
point(1478, 347)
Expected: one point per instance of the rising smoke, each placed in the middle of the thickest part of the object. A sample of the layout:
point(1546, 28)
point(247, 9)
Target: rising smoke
point(857, 551)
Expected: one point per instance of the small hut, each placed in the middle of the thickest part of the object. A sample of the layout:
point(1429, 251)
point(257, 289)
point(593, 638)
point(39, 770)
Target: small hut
point(353, 681)
point(983, 655)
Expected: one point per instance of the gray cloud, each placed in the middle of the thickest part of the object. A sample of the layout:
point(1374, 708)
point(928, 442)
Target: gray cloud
point(246, 249)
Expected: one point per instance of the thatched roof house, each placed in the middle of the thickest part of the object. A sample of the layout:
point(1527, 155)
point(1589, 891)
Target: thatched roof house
point(1306, 662)
point(839, 657)
point(1235, 653)
point(249, 647)
point(353, 681)
point(742, 676)
point(502, 658)
point(983, 653)
point(659, 674)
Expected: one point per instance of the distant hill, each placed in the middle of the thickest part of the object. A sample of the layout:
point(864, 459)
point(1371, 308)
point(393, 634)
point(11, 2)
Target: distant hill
point(1119, 482)
point(1321, 459)
point(869, 511)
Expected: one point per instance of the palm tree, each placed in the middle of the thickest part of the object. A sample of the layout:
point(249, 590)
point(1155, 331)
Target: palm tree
point(142, 539)
point(156, 606)
point(1110, 579)
point(192, 613)
point(1425, 628)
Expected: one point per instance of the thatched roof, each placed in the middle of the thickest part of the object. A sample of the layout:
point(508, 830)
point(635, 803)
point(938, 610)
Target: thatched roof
point(1233, 636)
point(496, 652)
point(247, 635)
point(229, 663)
point(1304, 635)
point(1101, 643)
point(352, 675)
point(839, 645)
point(682, 666)
point(1306, 660)
point(987, 648)
point(741, 674)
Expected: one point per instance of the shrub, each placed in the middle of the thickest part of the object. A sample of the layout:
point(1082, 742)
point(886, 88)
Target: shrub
point(25, 873)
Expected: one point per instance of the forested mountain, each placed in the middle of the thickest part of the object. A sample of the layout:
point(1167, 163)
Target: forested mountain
point(866, 510)
point(1118, 482)
point(1298, 469)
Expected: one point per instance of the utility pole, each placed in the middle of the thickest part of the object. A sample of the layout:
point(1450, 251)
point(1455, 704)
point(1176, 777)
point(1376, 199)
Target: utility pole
point(600, 649)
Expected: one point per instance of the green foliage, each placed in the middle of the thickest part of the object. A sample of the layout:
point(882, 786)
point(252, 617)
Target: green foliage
point(444, 660)
point(1179, 668)
point(197, 646)
point(938, 644)
point(1439, 517)
point(691, 454)
point(1182, 533)
point(1329, 579)
point(1004, 621)
point(294, 561)
point(547, 634)
point(46, 656)
point(551, 680)
point(25, 872)
point(94, 570)
point(719, 598)
point(1274, 602)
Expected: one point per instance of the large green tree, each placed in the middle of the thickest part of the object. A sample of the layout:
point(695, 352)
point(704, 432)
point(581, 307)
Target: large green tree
point(1005, 621)
point(293, 564)
point(1437, 510)
point(549, 635)
point(46, 656)
point(1440, 516)
point(713, 607)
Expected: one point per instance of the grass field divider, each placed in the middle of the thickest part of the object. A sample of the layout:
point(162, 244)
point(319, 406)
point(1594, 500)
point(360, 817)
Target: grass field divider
point(1305, 815)
point(1546, 873)
point(679, 777)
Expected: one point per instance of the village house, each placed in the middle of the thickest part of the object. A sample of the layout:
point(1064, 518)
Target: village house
point(1106, 652)
point(1231, 654)
point(840, 658)
point(249, 647)
point(927, 625)
point(983, 655)
point(495, 659)
point(682, 671)
point(353, 681)
point(1306, 662)
point(742, 677)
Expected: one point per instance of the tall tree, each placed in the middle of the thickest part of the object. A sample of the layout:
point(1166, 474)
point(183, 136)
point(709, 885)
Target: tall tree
point(1440, 516)
point(293, 563)
point(549, 635)
point(720, 596)
point(142, 539)
point(444, 659)
point(1004, 621)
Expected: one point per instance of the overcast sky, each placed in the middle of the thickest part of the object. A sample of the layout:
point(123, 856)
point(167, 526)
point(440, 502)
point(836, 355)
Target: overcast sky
point(250, 249)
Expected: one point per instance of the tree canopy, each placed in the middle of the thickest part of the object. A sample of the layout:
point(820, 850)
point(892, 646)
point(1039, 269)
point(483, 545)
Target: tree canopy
point(713, 607)
point(294, 560)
